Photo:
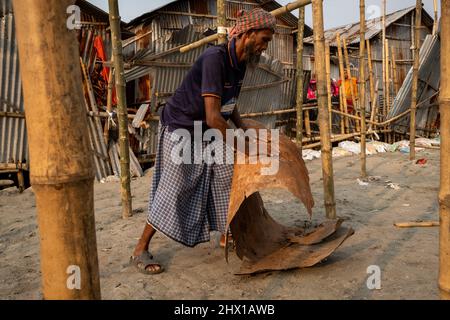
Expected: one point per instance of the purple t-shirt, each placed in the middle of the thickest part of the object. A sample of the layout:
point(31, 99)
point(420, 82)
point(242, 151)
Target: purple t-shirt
point(215, 73)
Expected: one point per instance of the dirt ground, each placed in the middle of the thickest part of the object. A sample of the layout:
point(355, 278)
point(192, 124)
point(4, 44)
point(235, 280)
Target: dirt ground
point(408, 258)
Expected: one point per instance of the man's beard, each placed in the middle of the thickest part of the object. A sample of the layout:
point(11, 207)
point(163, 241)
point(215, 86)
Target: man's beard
point(251, 57)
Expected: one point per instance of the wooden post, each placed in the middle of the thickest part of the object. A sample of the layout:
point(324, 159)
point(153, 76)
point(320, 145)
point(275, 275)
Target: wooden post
point(125, 179)
point(300, 78)
point(221, 21)
point(444, 192)
point(362, 84)
point(342, 75)
point(325, 137)
point(328, 71)
point(415, 81)
point(352, 90)
point(57, 127)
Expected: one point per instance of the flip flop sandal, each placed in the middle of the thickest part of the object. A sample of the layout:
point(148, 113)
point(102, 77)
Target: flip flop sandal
point(143, 261)
point(230, 241)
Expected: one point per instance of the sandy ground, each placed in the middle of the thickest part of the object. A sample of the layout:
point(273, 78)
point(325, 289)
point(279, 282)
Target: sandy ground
point(408, 258)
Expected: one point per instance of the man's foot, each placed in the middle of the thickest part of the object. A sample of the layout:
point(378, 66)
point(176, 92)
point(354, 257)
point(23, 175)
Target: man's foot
point(145, 264)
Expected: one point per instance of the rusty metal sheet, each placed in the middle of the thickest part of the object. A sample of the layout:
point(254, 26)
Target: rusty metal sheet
point(262, 243)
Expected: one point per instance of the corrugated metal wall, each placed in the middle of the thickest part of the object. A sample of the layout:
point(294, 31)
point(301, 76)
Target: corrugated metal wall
point(170, 18)
point(13, 135)
point(428, 86)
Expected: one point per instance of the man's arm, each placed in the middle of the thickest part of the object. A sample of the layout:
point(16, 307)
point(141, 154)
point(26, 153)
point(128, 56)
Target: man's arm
point(213, 117)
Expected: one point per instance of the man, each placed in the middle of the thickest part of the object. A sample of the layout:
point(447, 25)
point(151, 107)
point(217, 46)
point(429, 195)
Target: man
point(187, 201)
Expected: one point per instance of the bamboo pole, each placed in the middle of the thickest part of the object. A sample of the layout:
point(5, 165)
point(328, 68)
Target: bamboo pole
point(341, 108)
point(221, 21)
point(444, 192)
point(109, 99)
point(391, 71)
point(325, 136)
point(337, 138)
point(362, 85)
point(436, 18)
point(349, 75)
point(371, 73)
point(416, 224)
point(415, 81)
point(300, 77)
point(388, 78)
point(328, 72)
point(307, 124)
point(343, 82)
point(374, 104)
point(280, 11)
point(384, 60)
point(63, 173)
point(125, 178)
point(394, 72)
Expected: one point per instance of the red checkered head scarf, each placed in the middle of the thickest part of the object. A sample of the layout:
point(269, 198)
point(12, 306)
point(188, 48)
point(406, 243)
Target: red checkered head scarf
point(255, 19)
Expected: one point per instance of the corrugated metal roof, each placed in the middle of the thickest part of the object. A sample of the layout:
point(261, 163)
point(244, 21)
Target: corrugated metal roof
point(373, 27)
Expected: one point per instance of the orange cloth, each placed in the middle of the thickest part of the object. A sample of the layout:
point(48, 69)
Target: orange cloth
point(348, 89)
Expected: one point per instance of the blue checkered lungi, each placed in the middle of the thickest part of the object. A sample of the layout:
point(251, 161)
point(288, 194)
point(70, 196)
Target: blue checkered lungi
point(187, 201)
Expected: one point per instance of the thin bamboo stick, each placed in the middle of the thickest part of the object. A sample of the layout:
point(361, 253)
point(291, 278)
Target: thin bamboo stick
point(221, 21)
point(125, 178)
point(362, 85)
point(415, 81)
point(349, 75)
point(286, 9)
point(342, 75)
point(300, 77)
point(444, 192)
point(57, 128)
point(327, 160)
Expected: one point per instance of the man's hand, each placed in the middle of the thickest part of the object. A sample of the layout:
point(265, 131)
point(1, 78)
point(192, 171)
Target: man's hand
point(237, 120)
